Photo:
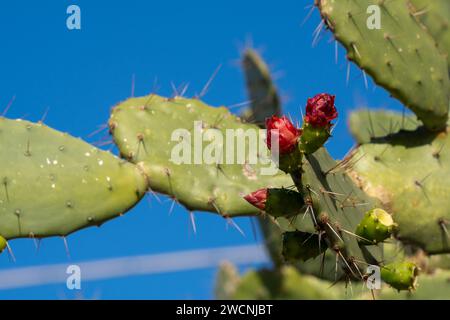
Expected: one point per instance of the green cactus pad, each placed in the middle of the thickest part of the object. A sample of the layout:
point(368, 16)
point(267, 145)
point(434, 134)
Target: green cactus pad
point(376, 226)
point(408, 172)
point(53, 184)
point(366, 124)
point(142, 129)
point(401, 56)
point(302, 246)
point(264, 99)
point(435, 15)
point(400, 275)
point(338, 206)
point(3, 244)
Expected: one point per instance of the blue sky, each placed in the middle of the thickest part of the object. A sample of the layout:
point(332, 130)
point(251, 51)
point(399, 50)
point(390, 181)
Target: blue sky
point(79, 75)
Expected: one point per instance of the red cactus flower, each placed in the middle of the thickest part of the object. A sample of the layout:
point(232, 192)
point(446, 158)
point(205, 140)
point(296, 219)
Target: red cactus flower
point(320, 110)
point(287, 133)
point(258, 198)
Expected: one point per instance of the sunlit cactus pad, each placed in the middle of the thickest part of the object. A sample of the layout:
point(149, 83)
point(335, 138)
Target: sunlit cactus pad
point(52, 184)
point(401, 56)
point(408, 172)
point(143, 128)
point(435, 15)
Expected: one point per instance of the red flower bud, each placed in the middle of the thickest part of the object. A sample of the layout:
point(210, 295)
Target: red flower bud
point(320, 110)
point(287, 134)
point(258, 198)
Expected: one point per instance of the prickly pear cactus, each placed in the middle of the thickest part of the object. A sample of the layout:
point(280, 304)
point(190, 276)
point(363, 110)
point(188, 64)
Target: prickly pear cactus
point(408, 172)
point(337, 207)
point(435, 16)
point(401, 56)
point(264, 99)
point(53, 184)
point(153, 131)
point(366, 124)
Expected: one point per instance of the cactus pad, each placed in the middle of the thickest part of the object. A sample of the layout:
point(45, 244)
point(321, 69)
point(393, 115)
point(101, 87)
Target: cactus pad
point(143, 128)
point(367, 124)
point(435, 15)
point(401, 56)
point(338, 207)
point(408, 172)
point(302, 246)
point(264, 99)
point(53, 184)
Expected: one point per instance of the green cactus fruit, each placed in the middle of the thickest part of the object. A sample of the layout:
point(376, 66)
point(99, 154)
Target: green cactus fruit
point(376, 226)
point(313, 138)
point(366, 124)
point(302, 246)
point(158, 133)
point(400, 56)
point(408, 172)
point(435, 15)
point(53, 184)
point(400, 275)
point(284, 203)
point(264, 99)
point(337, 206)
point(3, 244)
point(432, 287)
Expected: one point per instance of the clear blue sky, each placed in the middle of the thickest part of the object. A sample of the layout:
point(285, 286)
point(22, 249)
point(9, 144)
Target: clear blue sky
point(79, 75)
